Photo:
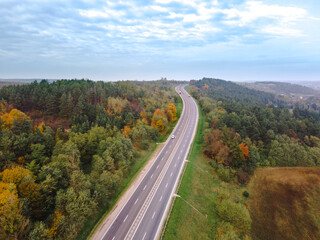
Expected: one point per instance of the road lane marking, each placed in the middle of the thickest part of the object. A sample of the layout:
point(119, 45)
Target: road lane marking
point(125, 218)
point(181, 151)
point(166, 185)
point(144, 187)
point(157, 166)
point(166, 151)
point(153, 215)
point(136, 201)
point(144, 235)
point(113, 237)
point(160, 199)
point(152, 176)
point(176, 164)
point(171, 175)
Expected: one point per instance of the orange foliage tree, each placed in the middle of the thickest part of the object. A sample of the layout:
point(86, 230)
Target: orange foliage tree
point(54, 228)
point(245, 151)
point(126, 131)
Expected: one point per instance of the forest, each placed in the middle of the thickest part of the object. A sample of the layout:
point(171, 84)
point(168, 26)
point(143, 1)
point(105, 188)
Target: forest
point(66, 146)
point(246, 128)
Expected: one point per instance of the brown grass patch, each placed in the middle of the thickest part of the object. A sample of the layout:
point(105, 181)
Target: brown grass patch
point(285, 203)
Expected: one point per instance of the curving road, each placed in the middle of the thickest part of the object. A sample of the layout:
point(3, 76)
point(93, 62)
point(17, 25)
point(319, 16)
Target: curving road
point(144, 213)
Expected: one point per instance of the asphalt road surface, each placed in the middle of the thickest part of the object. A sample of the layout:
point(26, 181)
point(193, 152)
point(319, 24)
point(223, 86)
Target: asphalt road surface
point(144, 213)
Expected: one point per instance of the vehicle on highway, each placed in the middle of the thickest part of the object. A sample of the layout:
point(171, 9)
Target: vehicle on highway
point(172, 136)
point(188, 95)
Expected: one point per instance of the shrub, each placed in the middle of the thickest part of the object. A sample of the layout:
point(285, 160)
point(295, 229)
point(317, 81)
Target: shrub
point(226, 174)
point(245, 194)
point(225, 231)
point(235, 213)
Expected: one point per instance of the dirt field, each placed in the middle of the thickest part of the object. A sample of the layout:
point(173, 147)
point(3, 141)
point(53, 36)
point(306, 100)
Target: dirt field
point(284, 203)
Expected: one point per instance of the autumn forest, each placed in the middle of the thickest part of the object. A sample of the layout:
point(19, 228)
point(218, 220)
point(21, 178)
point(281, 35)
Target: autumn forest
point(66, 146)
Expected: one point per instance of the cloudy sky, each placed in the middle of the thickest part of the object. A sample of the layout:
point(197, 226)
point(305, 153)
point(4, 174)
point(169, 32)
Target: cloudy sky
point(148, 39)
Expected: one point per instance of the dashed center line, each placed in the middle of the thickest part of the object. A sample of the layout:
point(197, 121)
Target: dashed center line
point(153, 215)
point(144, 187)
point(113, 237)
point(144, 235)
point(136, 201)
point(152, 176)
point(158, 166)
point(176, 164)
point(166, 185)
point(125, 218)
point(160, 199)
point(171, 175)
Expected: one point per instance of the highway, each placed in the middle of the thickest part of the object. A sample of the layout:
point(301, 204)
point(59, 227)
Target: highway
point(143, 215)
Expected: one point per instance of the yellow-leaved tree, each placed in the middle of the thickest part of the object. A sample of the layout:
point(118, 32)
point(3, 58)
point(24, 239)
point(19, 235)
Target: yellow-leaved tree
point(12, 221)
point(159, 120)
point(9, 114)
point(171, 112)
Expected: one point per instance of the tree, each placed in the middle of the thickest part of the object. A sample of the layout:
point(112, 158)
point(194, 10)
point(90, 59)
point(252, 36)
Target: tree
point(245, 151)
point(171, 112)
point(12, 222)
point(159, 121)
point(66, 105)
point(9, 118)
point(126, 131)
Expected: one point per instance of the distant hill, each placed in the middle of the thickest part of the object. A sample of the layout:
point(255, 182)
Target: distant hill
point(25, 80)
point(311, 84)
point(222, 90)
point(20, 81)
point(294, 91)
point(9, 83)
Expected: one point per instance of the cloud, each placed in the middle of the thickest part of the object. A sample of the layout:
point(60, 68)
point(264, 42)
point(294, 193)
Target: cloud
point(253, 10)
point(104, 29)
point(105, 13)
point(282, 31)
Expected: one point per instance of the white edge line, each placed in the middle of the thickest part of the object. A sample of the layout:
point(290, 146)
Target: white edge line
point(156, 191)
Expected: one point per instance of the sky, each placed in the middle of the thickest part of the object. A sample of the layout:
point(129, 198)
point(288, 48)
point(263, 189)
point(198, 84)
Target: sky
point(238, 40)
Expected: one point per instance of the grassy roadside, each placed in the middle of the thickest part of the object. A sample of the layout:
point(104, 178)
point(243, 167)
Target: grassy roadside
point(94, 221)
point(199, 187)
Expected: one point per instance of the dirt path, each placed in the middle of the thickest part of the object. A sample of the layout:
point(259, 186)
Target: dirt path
point(104, 225)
